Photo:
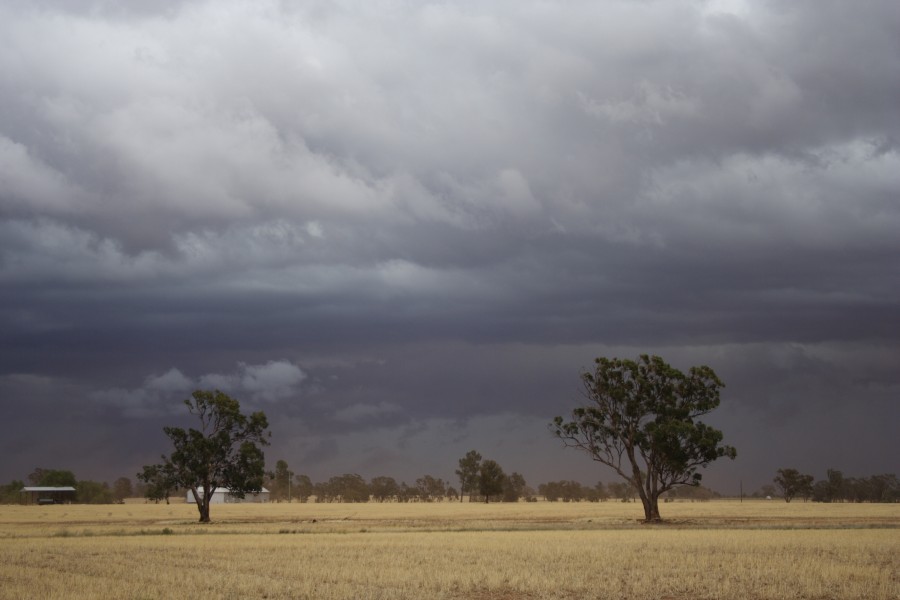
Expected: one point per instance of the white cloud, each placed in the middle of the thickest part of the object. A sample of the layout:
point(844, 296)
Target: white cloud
point(830, 196)
point(172, 380)
point(30, 183)
point(274, 381)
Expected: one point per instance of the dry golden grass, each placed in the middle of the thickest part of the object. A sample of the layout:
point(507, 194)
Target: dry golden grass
point(521, 551)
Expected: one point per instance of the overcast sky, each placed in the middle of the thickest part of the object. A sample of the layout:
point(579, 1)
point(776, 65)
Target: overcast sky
point(402, 228)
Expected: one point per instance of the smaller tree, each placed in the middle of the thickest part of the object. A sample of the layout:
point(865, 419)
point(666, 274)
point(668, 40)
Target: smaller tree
point(349, 487)
point(550, 491)
point(490, 480)
point(597, 493)
point(52, 478)
point(836, 486)
point(468, 471)
point(93, 492)
point(452, 494)
point(383, 488)
point(430, 489)
point(122, 489)
point(281, 482)
point(11, 493)
point(791, 483)
point(404, 492)
point(621, 490)
point(158, 481)
point(513, 487)
point(303, 487)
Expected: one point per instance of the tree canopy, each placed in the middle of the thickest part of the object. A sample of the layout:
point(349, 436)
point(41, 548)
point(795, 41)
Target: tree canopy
point(280, 482)
point(792, 483)
point(491, 479)
point(641, 420)
point(224, 452)
point(52, 477)
point(469, 467)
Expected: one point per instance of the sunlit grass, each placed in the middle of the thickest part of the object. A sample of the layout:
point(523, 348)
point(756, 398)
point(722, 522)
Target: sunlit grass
point(540, 550)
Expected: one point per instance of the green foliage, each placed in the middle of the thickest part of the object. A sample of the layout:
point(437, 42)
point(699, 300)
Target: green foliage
point(159, 481)
point(642, 420)
point(792, 483)
point(572, 491)
point(623, 491)
point(875, 488)
point(405, 493)
point(122, 489)
point(224, 452)
point(383, 488)
point(280, 484)
point(513, 487)
point(52, 478)
point(429, 489)
point(303, 488)
point(468, 470)
point(93, 492)
point(11, 493)
point(349, 487)
point(490, 479)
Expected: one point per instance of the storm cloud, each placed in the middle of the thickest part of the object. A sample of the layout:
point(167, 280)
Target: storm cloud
point(403, 228)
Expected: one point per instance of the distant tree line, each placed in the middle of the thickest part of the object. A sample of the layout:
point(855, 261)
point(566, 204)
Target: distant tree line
point(285, 486)
point(482, 480)
point(573, 491)
point(479, 481)
point(790, 483)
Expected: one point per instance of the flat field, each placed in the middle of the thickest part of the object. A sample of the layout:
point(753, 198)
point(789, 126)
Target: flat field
point(721, 550)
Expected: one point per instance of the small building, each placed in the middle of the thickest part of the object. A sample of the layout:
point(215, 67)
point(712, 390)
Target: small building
point(48, 495)
point(224, 496)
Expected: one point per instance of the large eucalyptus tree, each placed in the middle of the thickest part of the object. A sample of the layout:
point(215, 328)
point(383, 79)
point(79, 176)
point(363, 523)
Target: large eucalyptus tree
point(641, 420)
point(224, 452)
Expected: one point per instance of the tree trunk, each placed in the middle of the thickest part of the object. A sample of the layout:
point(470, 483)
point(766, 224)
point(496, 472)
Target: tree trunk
point(203, 506)
point(651, 508)
point(202, 503)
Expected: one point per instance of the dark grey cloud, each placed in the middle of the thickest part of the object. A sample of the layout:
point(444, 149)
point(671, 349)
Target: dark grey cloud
point(402, 228)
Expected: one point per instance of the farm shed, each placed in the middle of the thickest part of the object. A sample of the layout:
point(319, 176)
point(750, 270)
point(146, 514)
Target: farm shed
point(223, 496)
point(48, 495)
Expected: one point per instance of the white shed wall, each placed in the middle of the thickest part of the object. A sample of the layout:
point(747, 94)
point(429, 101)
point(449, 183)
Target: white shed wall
point(222, 496)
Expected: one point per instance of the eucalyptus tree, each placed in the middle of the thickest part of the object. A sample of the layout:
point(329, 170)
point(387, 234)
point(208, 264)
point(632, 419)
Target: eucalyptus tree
point(491, 480)
point(226, 451)
point(469, 467)
point(641, 419)
point(792, 483)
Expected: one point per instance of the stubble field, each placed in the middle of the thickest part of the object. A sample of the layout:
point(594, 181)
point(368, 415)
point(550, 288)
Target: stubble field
point(719, 550)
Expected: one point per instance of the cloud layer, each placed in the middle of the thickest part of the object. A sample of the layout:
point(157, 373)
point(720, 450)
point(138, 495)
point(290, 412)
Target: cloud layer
point(371, 218)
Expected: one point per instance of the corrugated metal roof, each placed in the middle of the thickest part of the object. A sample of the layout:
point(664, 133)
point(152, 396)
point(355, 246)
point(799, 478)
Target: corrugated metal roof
point(48, 489)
